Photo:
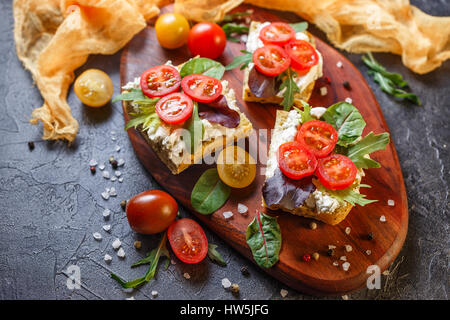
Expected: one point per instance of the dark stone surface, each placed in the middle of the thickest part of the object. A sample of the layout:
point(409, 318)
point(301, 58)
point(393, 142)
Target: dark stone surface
point(51, 204)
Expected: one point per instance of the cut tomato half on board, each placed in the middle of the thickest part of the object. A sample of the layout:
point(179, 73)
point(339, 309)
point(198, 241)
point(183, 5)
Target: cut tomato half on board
point(319, 137)
point(160, 81)
point(174, 108)
point(201, 88)
point(295, 161)
point(303, 55)
point(336, 172)
point(271, 60)
point(188, 240)
point(277, 33)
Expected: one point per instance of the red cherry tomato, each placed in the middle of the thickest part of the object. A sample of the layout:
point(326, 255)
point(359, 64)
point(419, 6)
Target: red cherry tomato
point(271, 60)
point(278, 33)
point(151, 211)
point(174, 108)
point(207, 39)
point(188, 241)
point(160, 80)
point(303, 55)
point(336, 172)
point(201, 88)
point(319, 137)
point(295, 161)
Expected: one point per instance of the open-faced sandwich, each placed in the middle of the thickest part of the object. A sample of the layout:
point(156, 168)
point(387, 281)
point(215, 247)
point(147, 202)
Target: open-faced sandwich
point(184, 112)
point(281, 63)
point(316, 161)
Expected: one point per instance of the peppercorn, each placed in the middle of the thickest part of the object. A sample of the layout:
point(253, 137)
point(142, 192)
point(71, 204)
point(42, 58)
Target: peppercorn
point(315, 256)
point(123, 204)
point(330, 252)
point(347, 85)
point(306, 257)
point(31, 145)
point(313, 225)
point(235, 288)
point(370, 236)
point(111, 159)
point(137, 244)
point(93, 169)
point(244, 271)
point(114, 164)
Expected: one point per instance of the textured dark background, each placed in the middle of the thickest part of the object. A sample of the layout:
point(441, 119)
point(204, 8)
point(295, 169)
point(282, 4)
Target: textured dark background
point(50, 204)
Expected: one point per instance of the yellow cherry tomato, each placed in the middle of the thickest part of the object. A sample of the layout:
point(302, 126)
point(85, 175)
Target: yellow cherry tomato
point(236, 167)
point(94, 88)
point(172, 30)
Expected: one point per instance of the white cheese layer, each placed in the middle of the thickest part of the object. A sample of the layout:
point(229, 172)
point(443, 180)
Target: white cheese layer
point(303, 81)
point(317, 200)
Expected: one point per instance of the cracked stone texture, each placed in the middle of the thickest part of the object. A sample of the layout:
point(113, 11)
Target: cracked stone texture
point(51, 204)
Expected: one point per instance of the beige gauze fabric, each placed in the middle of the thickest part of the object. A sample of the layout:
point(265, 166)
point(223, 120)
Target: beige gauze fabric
point(53, 38)
point(357, 26)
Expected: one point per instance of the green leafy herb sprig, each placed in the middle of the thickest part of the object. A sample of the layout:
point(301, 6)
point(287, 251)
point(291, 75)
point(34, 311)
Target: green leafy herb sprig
point(389, 82)
point(242, 61)
point(232, 28)
point(209, 193)
point(152, 259)
point(290, 87)
point(215, 255)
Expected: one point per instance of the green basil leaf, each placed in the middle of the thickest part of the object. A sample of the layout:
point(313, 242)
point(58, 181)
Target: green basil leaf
point(215, 256)
point(243, 60)
point(209, 193)
point(348, 195)
point(299, 27)
point(263, 236)
point(150, 274)
point(290, 87)
point(194, 125)
point(370, 143)
point(132, 94)
point(347, 120)
point(204, 66)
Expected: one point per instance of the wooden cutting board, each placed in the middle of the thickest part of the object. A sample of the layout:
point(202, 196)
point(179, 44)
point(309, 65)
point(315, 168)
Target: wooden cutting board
point(319, 277)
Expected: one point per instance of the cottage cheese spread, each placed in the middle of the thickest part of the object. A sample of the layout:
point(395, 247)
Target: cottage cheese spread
point(302, 82)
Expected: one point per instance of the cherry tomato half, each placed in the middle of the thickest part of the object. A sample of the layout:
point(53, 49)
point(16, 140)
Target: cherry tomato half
point(160, 81)
point(207, 39)
point(303, 55)
point(174, 108)
point(151, 211)
point(319, 137)
point(201, 88)
point(336, 172)
point(295, 161)
point(188, 241)
point(278, 33)
point(271, 60)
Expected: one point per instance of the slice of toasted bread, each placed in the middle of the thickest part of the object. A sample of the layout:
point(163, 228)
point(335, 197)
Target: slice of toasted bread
point(333, 217)
point(178, 163)
point(247, 95)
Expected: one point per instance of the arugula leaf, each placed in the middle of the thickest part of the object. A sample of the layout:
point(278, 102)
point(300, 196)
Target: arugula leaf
point(234, 28)
point(151, 256)
point(263, 236)
point(209, 193)
point(290, 88)
point(305, 114)
point(347, 121)
point(215, 256)
point(370, 143)
point(195, 127)
point(389, 82)
point(299, 27)
point(132, 94)
point(204, 66)
point(348, 195)
point(234, 16)
point(243, 60)
point(150, 274)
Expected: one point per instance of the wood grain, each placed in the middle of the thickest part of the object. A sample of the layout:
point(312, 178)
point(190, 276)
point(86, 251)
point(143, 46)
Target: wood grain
point(313, 277)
